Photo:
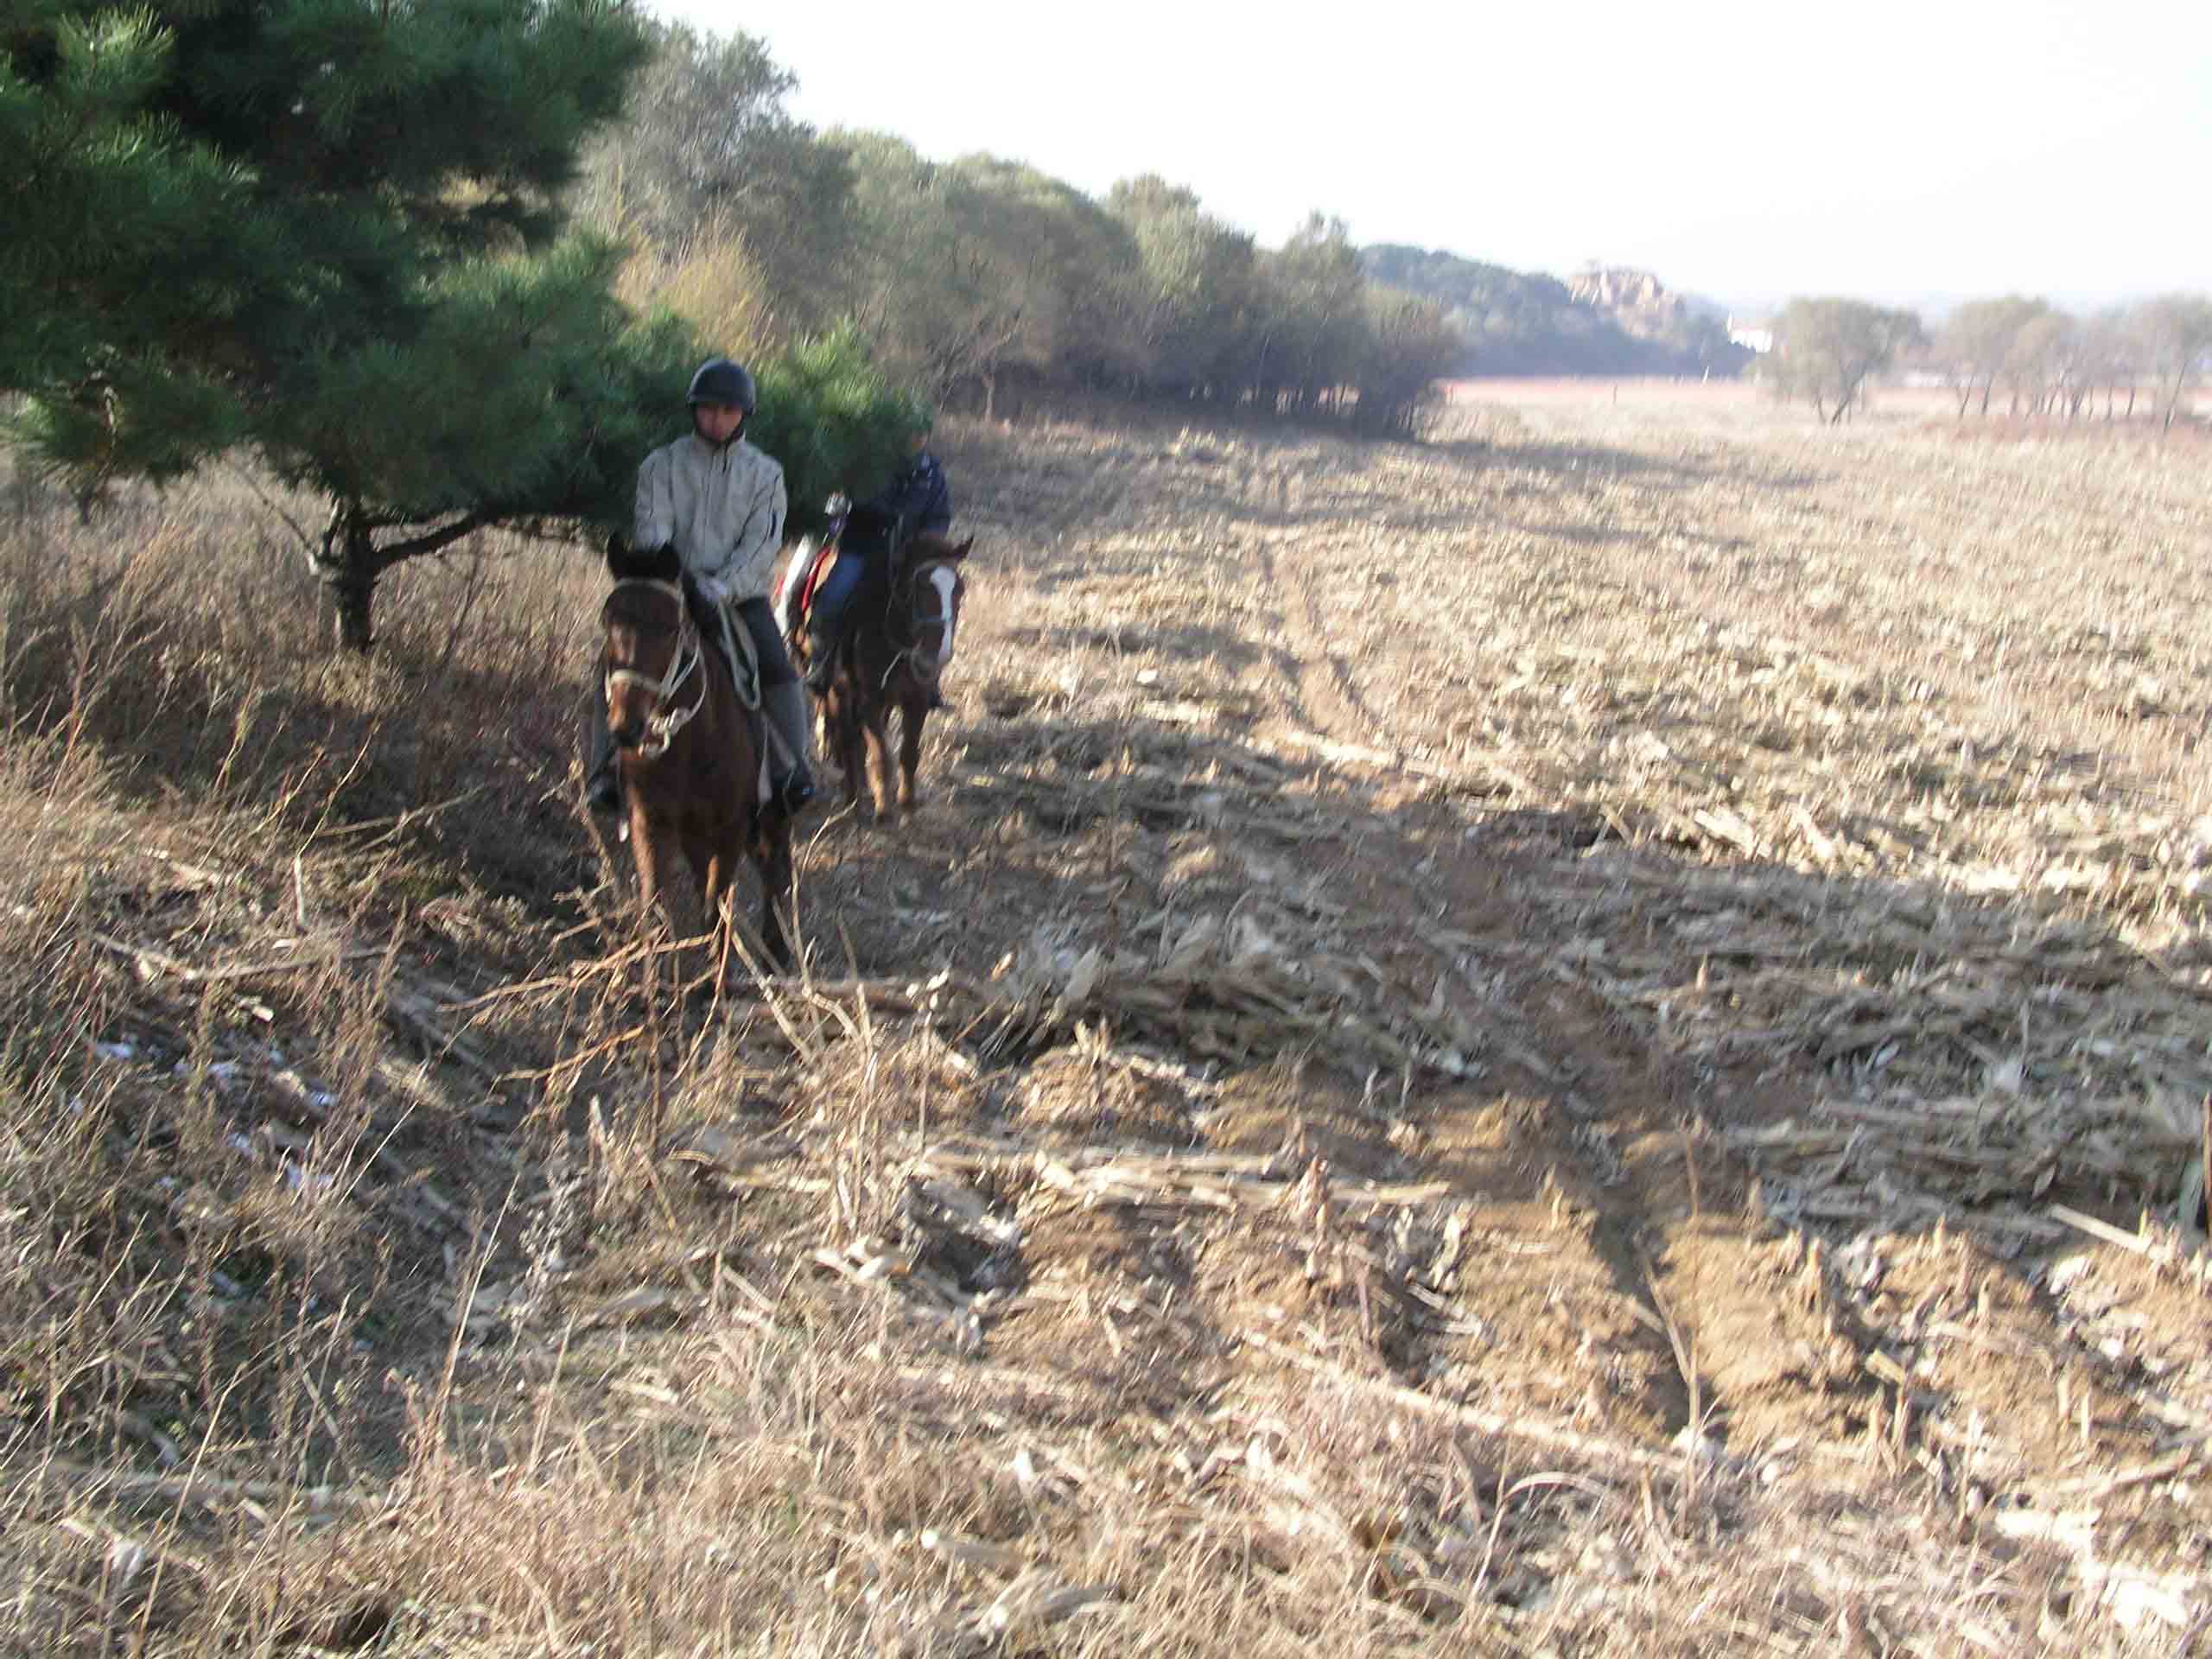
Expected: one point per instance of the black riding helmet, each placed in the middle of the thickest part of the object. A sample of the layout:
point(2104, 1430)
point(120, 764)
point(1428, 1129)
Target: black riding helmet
point(721, 381)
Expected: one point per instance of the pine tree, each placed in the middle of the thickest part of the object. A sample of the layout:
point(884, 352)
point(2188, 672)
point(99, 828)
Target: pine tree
point(329, 231)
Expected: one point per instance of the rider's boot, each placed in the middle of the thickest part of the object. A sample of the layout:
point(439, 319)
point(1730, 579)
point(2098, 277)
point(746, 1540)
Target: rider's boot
point(603, 789)
point(602, 783)
point(786, 709)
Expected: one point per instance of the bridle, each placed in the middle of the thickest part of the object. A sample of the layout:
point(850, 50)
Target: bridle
point(925, 667)
point(662, 727)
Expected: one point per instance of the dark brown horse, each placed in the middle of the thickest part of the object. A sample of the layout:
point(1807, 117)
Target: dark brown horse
point(898, 637)
point(690, 755)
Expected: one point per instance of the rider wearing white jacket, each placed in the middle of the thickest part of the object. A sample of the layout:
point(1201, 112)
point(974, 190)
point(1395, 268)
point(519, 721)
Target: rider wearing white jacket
point(724, 507)
point(720, 502)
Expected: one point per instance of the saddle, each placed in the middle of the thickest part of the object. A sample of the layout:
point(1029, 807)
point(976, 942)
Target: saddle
point(878, 540)
point(714, 623)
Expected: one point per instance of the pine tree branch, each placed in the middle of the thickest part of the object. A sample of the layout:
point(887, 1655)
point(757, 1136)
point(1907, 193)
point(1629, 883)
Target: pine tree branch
point(433, 541)
point(305, 537)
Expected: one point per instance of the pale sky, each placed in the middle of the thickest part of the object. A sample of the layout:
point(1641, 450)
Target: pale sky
point(1906, 152)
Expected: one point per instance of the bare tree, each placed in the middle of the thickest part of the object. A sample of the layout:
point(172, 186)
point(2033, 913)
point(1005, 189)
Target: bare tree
point(2176, 334)
point(1975, 343)
point(1826, 350)
point(2111, 357)
point(2041, 361)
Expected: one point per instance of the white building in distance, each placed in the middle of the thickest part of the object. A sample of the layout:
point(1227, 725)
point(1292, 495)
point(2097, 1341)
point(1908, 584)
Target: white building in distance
point(1754, 333)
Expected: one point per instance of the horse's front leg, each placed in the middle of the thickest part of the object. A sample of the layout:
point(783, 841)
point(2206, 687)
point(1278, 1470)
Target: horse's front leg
point(912, 714)
point(647, 853)
point(656, 924)
point(771, 855)
point(881, 783)
point(715, 863)
point(845, 735)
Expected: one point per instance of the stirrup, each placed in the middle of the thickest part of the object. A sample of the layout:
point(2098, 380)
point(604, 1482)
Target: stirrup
point(796, 793)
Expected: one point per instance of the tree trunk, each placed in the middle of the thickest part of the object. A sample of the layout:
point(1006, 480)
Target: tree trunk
point(353, 595)
point(350, 561)
point(347, 563)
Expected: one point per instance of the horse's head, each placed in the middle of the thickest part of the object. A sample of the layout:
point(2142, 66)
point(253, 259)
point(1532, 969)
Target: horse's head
point(651, 653)
point(935, 586)
point(628, 564)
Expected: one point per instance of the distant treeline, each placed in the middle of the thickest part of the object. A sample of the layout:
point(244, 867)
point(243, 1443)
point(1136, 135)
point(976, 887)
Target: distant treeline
point(2024, 355)
point(985, 282)
point(1517, 323)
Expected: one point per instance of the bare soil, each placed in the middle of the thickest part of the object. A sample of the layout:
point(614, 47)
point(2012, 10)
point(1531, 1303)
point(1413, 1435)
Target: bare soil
point(1585, 1035)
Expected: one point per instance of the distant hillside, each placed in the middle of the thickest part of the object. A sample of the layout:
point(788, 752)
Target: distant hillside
point(1606, 321)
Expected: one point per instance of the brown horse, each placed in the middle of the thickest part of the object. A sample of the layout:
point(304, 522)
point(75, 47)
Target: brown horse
point(898, 639)
point(690, 755)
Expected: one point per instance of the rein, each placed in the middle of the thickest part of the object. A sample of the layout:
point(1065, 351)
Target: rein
point(909, 653)
point(664, 725)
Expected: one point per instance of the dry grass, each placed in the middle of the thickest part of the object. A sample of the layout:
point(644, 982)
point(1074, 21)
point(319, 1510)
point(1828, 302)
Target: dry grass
point(1585, 1038)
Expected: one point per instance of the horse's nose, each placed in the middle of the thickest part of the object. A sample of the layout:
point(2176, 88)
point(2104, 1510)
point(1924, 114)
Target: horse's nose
point(628, 734)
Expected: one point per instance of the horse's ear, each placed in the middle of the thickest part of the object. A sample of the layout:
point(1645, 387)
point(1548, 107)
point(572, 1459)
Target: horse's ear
point(626, 564)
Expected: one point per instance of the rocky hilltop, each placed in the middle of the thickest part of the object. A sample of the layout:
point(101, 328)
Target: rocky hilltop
point(1636, 300)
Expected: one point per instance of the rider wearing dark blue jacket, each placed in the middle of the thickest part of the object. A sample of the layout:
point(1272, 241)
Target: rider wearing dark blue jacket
point(917, 500)
point(918, 495)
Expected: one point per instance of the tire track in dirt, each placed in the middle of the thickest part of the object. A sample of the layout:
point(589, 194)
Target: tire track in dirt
point(1568, 1141)
point(1321, 693)
point(1570, 1145)
point(1289, 664)
point(1597, 1090)
point(1345, 697)
point(1620, 1275)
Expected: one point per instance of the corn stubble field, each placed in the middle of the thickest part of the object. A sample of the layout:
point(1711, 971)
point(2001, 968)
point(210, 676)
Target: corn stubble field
point(1587, 1038)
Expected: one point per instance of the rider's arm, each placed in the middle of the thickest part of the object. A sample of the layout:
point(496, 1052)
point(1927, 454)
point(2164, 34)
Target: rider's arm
point(935, 513)
point(655, 526)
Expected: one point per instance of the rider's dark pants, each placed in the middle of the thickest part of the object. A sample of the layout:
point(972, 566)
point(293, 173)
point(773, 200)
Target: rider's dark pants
point(760, 620)
point(833, 594)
